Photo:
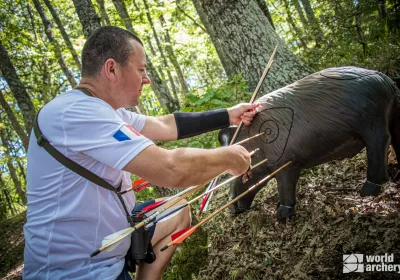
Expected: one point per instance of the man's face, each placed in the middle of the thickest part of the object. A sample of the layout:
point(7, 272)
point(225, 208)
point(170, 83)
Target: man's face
point(134, 76)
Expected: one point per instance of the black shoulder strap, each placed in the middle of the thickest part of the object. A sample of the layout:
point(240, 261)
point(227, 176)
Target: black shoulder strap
point(43, 142)
point(80, 170)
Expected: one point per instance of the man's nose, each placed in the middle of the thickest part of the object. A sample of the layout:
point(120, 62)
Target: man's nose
point(146, 80)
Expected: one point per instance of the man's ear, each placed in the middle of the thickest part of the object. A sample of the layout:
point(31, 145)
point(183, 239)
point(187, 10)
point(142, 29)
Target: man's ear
point(111, 70)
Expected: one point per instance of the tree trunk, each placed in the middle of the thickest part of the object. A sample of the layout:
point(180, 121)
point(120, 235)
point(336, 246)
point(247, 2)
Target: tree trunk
point(57, 51)
point(300, 12)
point(104, 17)
point(382, 9)
point(11, 168)
point(63, 33)
point(189, 17)
point(293, 24)
point(159, 88)
point(360, 34)
point(313, 22)
point(20, 94)
point(173, 58)
point(9, 202)
point(32, 21)
point(244, 40)
point(263, 6)
point(14, 122)
point(160, 48)
point(88, 17)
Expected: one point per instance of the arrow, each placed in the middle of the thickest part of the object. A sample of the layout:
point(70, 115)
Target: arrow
point(186, 234)
point(211, 190)
point(113, 240)
point(254, 96)
point(137, 186)
point(161, 202)
point(145, 221)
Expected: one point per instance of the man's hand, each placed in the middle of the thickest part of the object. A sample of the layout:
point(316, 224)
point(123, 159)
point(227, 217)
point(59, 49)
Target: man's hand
point(242, 112)
point(240, 160)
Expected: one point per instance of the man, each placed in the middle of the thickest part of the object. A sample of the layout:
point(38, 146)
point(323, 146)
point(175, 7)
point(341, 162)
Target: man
point(68, 216)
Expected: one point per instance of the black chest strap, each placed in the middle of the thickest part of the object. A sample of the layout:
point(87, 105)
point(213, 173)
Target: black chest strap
point(72, 165)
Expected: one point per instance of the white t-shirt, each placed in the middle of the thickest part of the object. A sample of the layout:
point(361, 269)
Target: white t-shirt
point(68, 216)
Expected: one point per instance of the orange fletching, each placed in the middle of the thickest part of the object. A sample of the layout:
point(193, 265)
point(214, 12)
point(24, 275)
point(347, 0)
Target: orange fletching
point(138, 182)
point(185, 235)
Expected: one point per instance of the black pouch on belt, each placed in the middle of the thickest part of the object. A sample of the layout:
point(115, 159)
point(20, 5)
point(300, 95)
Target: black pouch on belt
point(141, 249)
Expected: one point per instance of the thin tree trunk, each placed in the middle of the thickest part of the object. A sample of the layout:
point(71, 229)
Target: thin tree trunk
point(14, 151)
point(360, 34)
point(63, 33)
point(32, 21)
point(160, 89)
point(14, 122)
point(313, 22)
point(88, 17)
point(382, 9)
point(263, 6)
point(11, 168)
point(57, 51)
point(160, 48)
point(189, 17)
point(172, 57)
point(20, 94)
point(300, 12)
point(3, 207)
point(245, 39)
point(9, 202)
point(293, 24)
point(104, 16)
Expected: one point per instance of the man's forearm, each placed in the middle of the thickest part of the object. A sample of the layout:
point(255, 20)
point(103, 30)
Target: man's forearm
point(184, 167)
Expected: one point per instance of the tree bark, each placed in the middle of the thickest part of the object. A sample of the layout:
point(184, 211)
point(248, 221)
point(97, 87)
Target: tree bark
point(159, 88)
point(20, 94)
point(263, 6)
point(63, 33)
point(245, 39)
point(14, 122)
point(173, 58)
point(88, 17)
point(56, 48)
point(104, 17)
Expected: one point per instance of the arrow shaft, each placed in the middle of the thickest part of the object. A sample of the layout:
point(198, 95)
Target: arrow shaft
point(243, 194)
point(188, 233)
point(271, 59)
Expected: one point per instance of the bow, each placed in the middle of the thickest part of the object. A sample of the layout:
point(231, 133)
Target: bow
point(206, 199)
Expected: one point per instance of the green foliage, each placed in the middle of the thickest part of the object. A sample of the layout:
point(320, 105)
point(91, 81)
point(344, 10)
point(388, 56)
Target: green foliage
point(229, 93)
point(352, 33)
point(189, 258)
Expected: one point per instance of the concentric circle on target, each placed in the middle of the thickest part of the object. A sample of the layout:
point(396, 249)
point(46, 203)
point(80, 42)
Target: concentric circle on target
point(271, 131)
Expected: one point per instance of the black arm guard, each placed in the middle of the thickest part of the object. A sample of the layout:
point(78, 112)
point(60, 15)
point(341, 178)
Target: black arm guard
point(192, 124)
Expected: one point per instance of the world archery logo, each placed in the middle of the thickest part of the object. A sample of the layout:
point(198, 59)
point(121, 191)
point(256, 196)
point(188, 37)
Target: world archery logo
point(353, 263)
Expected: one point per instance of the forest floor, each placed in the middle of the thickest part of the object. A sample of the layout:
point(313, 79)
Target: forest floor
point(12, 247)
point(331, 220)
